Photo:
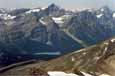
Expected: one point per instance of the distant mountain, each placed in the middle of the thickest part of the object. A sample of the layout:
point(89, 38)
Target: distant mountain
point(54, 10)
point(18, 11)
point(53, 29)
point(94, 27)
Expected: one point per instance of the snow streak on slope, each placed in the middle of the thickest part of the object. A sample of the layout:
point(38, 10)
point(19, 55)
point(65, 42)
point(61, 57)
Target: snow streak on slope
point(75, 38)
point(34, 10)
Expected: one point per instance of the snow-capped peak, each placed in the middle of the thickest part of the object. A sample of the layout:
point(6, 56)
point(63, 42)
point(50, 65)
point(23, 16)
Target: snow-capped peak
point(53, 6)
point(33, 10)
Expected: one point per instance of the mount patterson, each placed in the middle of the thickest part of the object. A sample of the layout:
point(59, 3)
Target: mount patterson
point(46, 33)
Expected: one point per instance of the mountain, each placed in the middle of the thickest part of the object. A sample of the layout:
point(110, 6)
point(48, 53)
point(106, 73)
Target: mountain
point(54, 10)
point(26, 33)
point(102, 27)
point(52, 30)
point(96, 60)
point(18, 11)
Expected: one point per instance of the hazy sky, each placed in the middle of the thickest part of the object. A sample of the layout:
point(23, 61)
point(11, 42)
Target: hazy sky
point(70, 4)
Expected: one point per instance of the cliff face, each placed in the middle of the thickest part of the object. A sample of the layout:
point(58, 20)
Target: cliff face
point(95, 60)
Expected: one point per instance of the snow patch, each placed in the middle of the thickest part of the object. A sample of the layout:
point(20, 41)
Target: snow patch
point(90, 10)
point(97, 58)
point(73, 59)
point(7, 16)
point(99, 15)
point(85, 74)
point(58, 19)
point(104, 75)
point(34, 10)
point(49, 43)
point(106, 43)
point(81, 50)
point(59, 73)
point(84, 53)
point(113, 15)
point(43, 8)
point(10, 17)
point(42, 21)
point(113, 40)
point(106, 48)
point(102, 10)
point(84, 9)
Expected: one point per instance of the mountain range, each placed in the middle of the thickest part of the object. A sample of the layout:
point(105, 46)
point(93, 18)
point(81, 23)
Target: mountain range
point(46, 33)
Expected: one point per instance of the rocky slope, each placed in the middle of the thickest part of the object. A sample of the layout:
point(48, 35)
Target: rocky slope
point(96, 60)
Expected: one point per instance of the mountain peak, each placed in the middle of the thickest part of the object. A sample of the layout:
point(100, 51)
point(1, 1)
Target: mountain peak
point(53, 6)
point(105, 8)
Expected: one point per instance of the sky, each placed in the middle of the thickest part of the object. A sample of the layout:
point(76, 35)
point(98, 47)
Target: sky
point(69, 4)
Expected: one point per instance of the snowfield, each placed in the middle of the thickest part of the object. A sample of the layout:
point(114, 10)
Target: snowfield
point(60, 73)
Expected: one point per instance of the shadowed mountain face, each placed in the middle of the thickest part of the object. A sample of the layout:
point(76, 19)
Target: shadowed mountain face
point(51, 30)
point(97, 60)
